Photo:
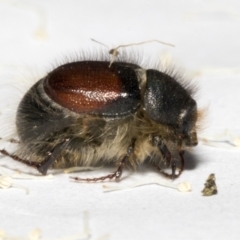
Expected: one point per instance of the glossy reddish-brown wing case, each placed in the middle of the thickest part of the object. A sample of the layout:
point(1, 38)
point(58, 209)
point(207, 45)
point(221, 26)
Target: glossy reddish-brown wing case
point(92, 87)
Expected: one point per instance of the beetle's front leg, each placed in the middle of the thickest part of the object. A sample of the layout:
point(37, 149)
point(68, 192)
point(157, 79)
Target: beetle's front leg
point(157, 141)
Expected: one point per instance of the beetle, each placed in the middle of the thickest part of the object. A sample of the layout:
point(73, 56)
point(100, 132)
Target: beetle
point(87, 113)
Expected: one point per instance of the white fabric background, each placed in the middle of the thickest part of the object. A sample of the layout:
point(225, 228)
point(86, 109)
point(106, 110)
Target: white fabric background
point(37, 35)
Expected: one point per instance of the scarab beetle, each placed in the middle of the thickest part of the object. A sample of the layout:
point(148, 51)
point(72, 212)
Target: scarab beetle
point(88, 113)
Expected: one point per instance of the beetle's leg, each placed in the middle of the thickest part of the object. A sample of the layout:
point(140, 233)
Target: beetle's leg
point(168, 158)
point(117, 174)
point(43, 166)
point(16, 158)
point(181, 153)
point(163, 149)
point(52, 156)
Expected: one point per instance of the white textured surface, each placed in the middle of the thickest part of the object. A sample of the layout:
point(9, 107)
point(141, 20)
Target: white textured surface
point(35, 34)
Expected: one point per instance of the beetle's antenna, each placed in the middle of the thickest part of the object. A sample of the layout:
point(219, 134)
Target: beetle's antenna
point(114, 51)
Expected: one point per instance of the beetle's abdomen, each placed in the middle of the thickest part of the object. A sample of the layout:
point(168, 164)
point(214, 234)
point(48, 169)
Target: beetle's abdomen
point(92, 87)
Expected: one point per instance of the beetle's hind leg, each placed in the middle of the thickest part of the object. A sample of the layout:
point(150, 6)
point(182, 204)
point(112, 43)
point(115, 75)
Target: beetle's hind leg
point(43, 166)
point(117, 174)
point(170, 161)
point(16, 158)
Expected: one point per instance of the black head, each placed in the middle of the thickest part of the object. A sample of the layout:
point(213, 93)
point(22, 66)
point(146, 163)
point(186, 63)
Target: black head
point(167, 102)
